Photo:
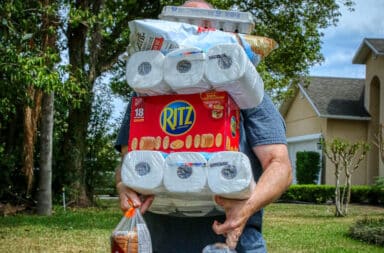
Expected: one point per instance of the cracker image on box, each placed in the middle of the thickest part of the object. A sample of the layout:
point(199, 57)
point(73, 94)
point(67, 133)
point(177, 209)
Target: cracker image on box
point(206, 122)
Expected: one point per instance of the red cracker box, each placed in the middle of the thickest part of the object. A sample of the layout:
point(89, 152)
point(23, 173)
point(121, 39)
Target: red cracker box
point(207, 122)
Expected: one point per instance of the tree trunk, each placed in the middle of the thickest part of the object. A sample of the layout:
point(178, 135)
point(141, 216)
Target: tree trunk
point(44, 193)
point(337, 192)
point(44, 197)
point(31, 118)
point(75, 149)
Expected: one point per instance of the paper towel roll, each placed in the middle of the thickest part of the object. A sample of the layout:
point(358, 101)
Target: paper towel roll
point(145, 73)
point(230, 175)
point(142, 170)
point(228, 69)
point(184, 71)
point(184, 172)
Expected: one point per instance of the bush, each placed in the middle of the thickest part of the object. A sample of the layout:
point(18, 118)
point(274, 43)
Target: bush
point(307, 167)
point(363, 194)
point(368, 230)
point(309, 193)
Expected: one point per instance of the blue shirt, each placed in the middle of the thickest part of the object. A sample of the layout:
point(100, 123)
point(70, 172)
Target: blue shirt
point(258, 126)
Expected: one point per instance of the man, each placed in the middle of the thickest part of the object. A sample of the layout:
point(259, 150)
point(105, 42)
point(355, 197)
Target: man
point(262, 139)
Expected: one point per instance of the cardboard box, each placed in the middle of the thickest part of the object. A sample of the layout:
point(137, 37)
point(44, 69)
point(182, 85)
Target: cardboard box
point(206, 122)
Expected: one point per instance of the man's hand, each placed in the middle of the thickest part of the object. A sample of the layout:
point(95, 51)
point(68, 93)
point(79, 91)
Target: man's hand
point(237, 213)
point(127, 195)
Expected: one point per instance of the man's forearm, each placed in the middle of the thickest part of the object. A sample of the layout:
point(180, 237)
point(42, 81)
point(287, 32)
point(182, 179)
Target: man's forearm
point(273, 182)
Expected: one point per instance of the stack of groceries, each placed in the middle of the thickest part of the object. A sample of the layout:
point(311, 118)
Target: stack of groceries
point(193, 70)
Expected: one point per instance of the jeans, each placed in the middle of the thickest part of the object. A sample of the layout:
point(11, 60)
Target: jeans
point(251, 241)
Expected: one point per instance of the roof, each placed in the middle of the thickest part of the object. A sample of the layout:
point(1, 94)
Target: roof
point(334, 97)
point(374, 46)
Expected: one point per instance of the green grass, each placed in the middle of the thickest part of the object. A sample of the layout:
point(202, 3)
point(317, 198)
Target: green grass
point(314, 228)
point(287, 228)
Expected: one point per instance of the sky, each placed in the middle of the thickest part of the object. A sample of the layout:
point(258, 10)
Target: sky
point(341, 43)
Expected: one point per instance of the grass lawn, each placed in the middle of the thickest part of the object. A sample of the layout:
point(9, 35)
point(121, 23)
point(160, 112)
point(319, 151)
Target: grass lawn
point(287, 228)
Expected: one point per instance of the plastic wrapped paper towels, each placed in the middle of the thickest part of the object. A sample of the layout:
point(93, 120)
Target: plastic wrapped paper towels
point(228, 69)
point(143, 171)
point(230, 175)
point(184, 71)
point(184, 173)
point(166, 36)
point(145, 73)
point(180, 206)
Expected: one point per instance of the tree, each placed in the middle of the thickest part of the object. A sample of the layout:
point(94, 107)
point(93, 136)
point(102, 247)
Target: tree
point(25, 69)
point(29, 68)
point(346, 158)
point(378, 141)
point(97, 35)
point(44, 196)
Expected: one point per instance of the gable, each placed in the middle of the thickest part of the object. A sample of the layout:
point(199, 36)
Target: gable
point(367, 47)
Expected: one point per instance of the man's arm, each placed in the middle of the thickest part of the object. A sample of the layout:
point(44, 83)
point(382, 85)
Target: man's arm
point(126, 194)
point(275, 179)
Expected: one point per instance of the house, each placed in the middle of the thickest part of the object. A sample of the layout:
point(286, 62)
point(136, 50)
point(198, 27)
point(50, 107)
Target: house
point(348, 108)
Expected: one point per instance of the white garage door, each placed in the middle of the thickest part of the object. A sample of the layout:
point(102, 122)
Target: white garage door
point(303, 143)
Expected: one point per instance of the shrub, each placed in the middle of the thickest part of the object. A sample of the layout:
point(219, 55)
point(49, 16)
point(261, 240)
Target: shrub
point(363, 194)
point(307, 167)
point(309, 193)
point(368, 230)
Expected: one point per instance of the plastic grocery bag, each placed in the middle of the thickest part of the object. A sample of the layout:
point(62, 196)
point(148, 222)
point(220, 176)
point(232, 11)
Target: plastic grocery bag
point(131, 235)
point(218, 248)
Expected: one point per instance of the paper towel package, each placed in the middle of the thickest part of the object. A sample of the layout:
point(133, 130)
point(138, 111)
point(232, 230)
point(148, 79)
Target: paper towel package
point(181, 206)
point(230, 175)
point(184, 71)
point(145, 73)
point(228, 69)
point(185, 173)
point(142, 170)
point(207, 122)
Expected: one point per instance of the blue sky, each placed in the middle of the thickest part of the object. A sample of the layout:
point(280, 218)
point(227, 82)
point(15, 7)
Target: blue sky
point(341, 43)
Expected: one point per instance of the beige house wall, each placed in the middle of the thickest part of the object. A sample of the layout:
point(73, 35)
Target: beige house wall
point(353, 131)
point(374, 92)
point(301, 118)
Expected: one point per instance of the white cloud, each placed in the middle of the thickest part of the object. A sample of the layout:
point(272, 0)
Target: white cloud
point(366, 19)
point(341, 43)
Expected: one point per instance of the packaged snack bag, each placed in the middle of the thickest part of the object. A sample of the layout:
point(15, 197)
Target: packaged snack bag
point(131, 235)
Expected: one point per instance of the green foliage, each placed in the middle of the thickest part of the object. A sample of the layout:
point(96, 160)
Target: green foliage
point(378, 191)
point(309, 193)
point(362, 194)
point(368, 230)
point(101, 158)
point(307, 167)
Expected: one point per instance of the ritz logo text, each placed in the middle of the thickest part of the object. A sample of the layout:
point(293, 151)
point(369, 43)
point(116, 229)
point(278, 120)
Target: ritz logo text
point(177, 118)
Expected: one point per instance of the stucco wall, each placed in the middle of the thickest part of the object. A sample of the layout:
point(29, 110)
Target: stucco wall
point(353, 131)
point(301, 118)
point(375, 105)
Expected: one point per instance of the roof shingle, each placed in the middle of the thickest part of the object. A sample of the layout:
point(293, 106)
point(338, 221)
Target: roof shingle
point(337, 97)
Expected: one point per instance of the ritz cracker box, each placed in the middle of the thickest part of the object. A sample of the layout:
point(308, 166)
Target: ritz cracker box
point(205, 122)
